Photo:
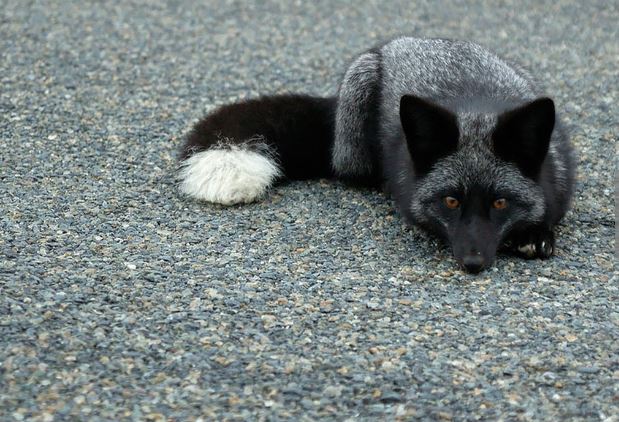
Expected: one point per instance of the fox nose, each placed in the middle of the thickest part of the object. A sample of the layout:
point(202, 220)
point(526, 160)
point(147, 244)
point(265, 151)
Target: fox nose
point(473, 263)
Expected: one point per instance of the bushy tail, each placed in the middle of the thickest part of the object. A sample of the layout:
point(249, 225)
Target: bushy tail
point(236, 153)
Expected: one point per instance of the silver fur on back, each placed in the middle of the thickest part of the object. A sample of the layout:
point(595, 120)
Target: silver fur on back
point(351, 156)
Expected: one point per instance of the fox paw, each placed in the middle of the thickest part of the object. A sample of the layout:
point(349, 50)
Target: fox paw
point(538, 243)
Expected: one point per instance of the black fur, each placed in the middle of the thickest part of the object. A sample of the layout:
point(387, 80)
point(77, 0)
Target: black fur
point(298, 128)
point(522, 135)
point(431, 131)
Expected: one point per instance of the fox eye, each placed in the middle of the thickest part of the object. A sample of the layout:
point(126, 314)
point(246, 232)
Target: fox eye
point(451, 202)
point(499, 204)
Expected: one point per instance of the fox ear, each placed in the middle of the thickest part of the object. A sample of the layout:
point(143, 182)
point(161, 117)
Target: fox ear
point(431, 131)
point(522, 135)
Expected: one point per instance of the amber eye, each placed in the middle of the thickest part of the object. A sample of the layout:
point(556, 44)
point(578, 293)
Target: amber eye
point(451, 202)
point(500, 204)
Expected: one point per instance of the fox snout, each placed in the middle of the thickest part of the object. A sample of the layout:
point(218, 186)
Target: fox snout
point(474, 260)
point(473, 263)
point(474, 245)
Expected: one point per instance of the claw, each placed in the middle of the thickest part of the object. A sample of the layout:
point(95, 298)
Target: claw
point(534, 243)
point(546, 249)
point(528, 249)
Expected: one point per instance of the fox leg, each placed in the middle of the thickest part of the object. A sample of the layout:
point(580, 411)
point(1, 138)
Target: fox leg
point(356, 121)
point(534, 242)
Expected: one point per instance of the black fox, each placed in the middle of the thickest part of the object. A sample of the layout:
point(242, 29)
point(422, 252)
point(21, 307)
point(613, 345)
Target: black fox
point(465, 142)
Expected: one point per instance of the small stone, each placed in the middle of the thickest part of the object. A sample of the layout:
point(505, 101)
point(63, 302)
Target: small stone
point(589, 369)
point(387, 365)
point(373, 305)
point(343, 370)
point(333, 391)
point(390, 397)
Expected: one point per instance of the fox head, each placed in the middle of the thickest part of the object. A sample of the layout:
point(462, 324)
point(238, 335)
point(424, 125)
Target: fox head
point(476, 173)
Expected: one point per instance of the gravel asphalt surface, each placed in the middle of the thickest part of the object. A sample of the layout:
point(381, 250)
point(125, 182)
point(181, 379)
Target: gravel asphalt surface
point(122, 300)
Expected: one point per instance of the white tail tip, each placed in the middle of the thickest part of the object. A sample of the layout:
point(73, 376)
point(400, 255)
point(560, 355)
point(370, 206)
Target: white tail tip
point(228, 175)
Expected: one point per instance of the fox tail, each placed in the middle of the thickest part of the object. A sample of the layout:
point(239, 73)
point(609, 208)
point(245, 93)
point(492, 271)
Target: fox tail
point(235, 154)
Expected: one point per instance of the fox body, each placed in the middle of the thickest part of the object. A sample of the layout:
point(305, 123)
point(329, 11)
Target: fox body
point(465, 142)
